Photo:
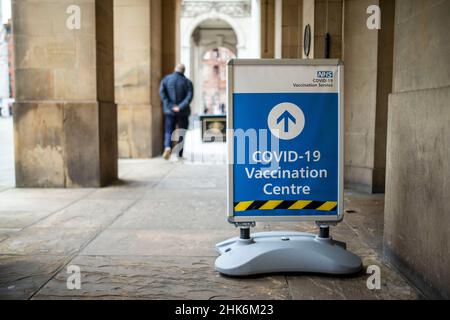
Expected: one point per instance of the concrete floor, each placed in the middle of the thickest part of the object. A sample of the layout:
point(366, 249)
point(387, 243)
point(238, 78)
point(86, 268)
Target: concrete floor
point(152, 236)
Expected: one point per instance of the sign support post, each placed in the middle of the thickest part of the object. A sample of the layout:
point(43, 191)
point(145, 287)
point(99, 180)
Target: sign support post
point(285, 154)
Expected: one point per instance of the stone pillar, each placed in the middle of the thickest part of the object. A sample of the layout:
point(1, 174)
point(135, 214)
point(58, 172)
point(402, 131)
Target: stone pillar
point(384, 88)
point(292, 26)
point(367, 56)
point(417, 214)
point(278, 41)
point(255, 43)
point(138, 52)
point(328, 20)
point(170, 42)
point(368, 73)
point(65, 117)
point(308, 17)
point(267, 29)
point(323, 16)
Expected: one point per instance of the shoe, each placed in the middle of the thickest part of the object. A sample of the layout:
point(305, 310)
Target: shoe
point(167, 153)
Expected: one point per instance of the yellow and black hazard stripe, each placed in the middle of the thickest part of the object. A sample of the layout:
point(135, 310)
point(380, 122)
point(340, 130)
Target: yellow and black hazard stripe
point(285, 205)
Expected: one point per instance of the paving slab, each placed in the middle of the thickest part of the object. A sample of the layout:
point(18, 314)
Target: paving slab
point(86, 214)
point(46, 194)
point(3, 189)
point(160, 278)
point(9, 231)
point(124, 189)
point(364, 214)
point(7, 178)
point(197, 183)
point(21, 219)
point(353, 287)
point(51, 241)
point(194, 171)
point(347, 288)
point(393, 286)
point(152, 236)
point(7, 183)
point(193, 213)
point(5, 233)
point(182, 194)
point(157, 243)
point(150, 170)
point(127, 165)
point(50, 204)
point(22, 276)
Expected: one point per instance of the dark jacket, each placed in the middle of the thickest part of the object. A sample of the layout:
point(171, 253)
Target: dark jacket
point(176, 89)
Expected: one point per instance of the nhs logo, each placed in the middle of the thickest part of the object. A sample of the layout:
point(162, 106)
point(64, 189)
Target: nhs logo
point(325, 74)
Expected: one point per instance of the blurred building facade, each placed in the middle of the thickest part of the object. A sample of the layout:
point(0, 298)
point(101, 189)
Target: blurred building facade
point(5, 92)
point(214, 84)
point(9, 37)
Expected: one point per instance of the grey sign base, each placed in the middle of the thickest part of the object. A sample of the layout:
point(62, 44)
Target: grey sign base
point(283, 252)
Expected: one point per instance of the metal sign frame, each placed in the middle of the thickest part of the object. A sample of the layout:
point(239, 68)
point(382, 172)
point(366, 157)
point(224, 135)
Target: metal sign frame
point(230, 139)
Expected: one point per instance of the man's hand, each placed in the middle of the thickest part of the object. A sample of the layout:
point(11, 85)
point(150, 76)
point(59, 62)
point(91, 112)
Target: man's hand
point(176, 109)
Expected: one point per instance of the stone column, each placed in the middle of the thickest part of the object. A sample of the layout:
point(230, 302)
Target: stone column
point(368, 81)
point(323, 16)
point(367, 56)
point(308, 17)
point(278, 28)
point(417, 214)
point(138, 52)
point(65, 117)
point(328, 20)
point(170, 42)
point(254, 43)
point(267, 29)
point(292, 26)
point(197, 79)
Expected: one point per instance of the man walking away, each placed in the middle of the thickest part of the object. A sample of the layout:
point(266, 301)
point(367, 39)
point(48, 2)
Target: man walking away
point(176, 93)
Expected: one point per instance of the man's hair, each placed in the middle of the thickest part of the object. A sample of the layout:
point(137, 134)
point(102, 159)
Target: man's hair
point(181, 68)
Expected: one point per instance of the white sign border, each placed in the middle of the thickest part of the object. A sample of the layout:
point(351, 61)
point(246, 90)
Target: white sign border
point(230, 139)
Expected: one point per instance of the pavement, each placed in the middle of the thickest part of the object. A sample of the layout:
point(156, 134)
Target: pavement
point(152, 236)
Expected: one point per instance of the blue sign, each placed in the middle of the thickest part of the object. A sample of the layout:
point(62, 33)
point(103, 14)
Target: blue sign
point(286, 151)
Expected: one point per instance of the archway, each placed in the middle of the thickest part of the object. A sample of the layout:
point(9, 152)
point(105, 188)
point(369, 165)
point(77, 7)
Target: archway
point(209, 34)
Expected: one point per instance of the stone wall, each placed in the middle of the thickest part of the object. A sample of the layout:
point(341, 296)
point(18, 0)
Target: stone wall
point(417, 215)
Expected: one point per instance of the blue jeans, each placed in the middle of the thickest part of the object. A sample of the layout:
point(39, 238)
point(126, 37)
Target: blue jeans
point(170, 123)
